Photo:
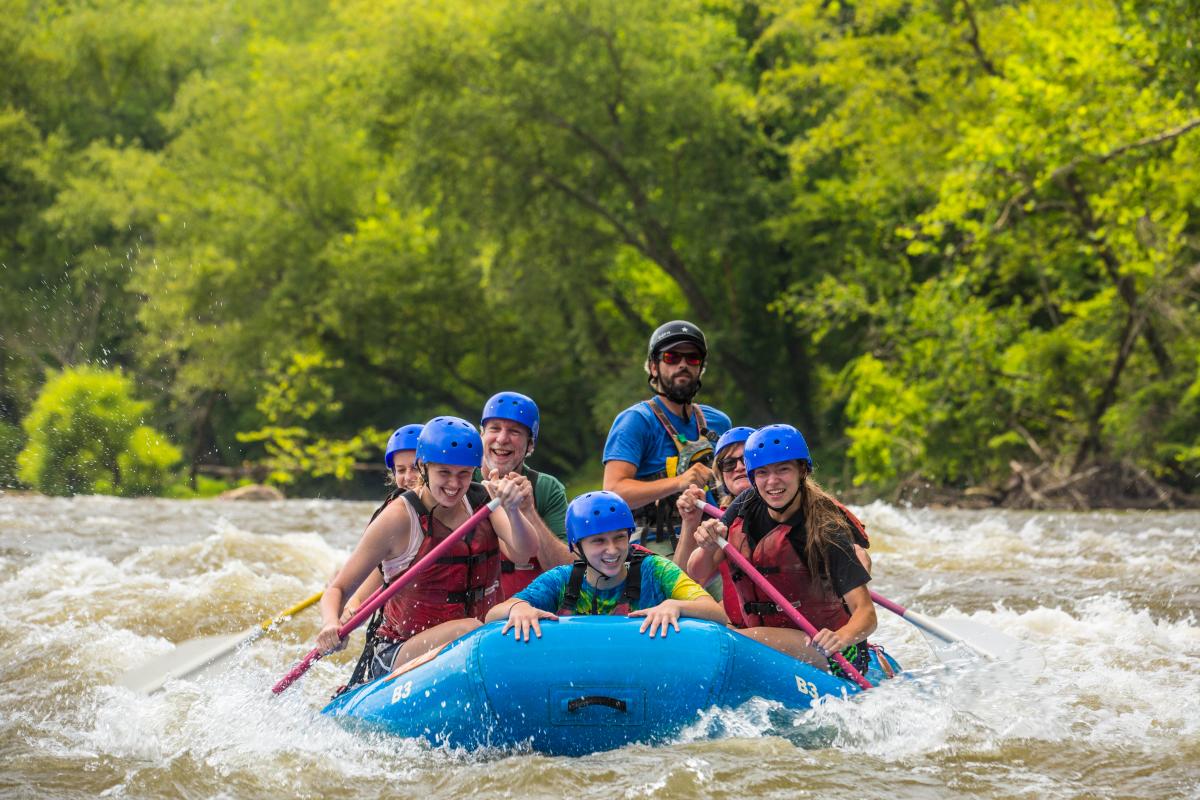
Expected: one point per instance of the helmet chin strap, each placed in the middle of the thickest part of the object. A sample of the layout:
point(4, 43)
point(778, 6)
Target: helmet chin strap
point(785, 506)
point(600, 572)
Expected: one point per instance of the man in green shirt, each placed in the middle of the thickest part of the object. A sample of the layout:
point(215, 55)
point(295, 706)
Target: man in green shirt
point(510, 427)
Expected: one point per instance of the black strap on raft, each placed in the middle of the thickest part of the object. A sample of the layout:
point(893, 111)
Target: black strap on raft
point(633, 581)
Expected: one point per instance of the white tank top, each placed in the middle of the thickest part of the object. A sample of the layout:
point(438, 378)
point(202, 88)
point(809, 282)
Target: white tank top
point(394, 566)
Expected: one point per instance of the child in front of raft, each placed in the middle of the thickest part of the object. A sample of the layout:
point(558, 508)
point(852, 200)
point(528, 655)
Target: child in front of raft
point(607, 578)
point(801, 541)
point(450, 597)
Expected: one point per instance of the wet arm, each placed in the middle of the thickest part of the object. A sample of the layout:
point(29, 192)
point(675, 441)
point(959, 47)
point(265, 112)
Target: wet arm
point(862, 621)
point(368, 587)
point(518, 539)
point(619, 478)
point(703, 608)
point(389, 531)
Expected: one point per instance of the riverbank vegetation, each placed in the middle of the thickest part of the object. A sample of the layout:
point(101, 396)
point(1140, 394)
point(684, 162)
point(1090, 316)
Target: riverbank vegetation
point(954, 241)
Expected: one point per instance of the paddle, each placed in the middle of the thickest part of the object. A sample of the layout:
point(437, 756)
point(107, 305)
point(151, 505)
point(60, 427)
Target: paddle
point(976, 637)
point(379, 598)
point(195, 654)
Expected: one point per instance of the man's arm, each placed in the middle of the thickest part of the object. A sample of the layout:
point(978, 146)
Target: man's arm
point(551, 552)
point(619, 478)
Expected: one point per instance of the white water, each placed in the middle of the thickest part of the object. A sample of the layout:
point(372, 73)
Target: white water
point(94, 586)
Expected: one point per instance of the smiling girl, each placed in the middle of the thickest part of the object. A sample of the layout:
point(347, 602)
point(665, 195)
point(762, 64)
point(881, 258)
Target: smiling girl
point(801, 540)
point(607, 578)
point(451, 596)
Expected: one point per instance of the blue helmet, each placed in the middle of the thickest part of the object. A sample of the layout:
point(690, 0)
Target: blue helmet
point(732, 436)
point(404, 438)
point(597, 512)
point(450, 440)
point(515, 407)
point(773, 444)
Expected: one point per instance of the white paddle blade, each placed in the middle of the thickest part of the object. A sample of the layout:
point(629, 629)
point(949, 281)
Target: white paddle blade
point(975, 638)
point(187, 658)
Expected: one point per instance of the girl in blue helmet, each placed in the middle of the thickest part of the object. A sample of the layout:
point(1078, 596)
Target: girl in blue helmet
point(400, 457)
point(802, 541)
point(449, 597)
point(607, 578)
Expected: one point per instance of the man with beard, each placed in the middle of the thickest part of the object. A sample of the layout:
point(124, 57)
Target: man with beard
point(659, 447)
point(510, 425)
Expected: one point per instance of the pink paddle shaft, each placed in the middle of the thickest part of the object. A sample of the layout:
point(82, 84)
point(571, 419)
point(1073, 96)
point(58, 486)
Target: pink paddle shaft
point(879, 599)
point(381, 596)
point(784, 604)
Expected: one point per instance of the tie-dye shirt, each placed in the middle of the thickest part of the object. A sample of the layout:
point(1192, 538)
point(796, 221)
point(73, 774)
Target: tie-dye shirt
point(661, 580)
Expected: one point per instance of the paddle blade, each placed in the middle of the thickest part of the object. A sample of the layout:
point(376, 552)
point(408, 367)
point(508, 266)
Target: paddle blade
point(187, 658)
point(975, 638)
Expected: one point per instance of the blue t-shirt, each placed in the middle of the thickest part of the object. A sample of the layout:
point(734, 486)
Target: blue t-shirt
point(638, 437)
point(661, 580)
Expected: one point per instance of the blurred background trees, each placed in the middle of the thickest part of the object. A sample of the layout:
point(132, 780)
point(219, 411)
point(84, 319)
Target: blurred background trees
point(955, 242)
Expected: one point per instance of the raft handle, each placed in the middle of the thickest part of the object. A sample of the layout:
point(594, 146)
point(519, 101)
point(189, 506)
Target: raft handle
point(597, 700)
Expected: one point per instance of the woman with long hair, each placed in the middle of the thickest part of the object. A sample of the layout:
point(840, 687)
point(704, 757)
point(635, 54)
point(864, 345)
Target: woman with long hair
point(802, 540)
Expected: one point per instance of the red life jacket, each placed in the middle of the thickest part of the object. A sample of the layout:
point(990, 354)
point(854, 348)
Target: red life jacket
point(629, 594)
point(734, 603)
point(777, 557)
point(858, 531)
point(515, 577)
point(464, 583)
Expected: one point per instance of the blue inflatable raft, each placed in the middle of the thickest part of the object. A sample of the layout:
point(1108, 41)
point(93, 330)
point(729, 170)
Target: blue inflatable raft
point(589, 684)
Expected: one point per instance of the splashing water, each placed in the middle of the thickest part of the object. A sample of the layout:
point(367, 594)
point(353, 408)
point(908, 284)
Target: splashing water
point(1103, 701)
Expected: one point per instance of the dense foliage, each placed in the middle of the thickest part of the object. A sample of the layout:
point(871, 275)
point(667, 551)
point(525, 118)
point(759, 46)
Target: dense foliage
point(85, 435)
point(949, 239)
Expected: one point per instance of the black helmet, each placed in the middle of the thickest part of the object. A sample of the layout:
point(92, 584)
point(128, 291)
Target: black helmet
point(674, 332)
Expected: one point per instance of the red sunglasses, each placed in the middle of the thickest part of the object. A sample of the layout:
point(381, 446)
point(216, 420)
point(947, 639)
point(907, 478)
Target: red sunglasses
point(671, 358)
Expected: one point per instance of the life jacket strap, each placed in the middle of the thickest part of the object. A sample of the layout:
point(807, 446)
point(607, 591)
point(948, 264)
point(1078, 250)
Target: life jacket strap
point(759, 609)
point(471, 560)
point(470, 596)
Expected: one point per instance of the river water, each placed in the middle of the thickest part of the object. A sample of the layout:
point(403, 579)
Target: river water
point(1105, 703)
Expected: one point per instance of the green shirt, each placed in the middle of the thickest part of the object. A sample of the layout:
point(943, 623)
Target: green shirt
point(549, 499)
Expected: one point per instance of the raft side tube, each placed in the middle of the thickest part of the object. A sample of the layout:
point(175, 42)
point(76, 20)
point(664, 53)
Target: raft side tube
point(588, 684)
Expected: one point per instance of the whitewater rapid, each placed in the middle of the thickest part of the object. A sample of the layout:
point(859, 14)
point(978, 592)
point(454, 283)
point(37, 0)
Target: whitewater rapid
point(1104, 705)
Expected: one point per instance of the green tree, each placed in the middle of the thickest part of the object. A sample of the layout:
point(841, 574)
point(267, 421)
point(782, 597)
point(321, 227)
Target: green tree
point(86, 433)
